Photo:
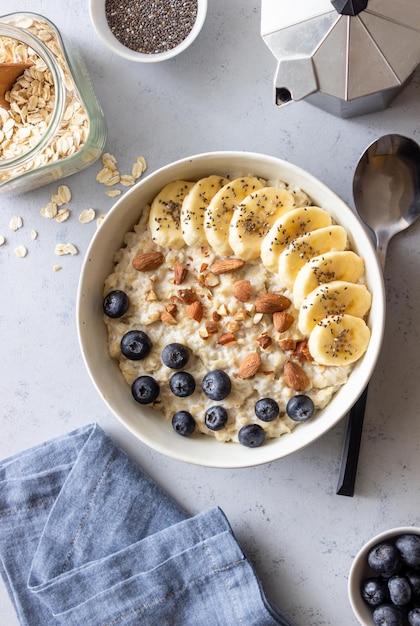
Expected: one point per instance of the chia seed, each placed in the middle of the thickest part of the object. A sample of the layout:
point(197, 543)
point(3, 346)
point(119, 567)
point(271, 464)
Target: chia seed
point(151, 26)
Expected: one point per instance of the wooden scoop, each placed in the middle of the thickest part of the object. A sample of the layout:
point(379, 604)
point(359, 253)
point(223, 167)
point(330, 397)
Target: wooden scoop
point(9, 73)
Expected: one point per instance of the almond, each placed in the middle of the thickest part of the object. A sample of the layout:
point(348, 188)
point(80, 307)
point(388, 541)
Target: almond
point(227, 339)
point(249, 365)
point(242, 290)
point(187, 296)
point(264, 341)
point(195, 311)
point(212, 327)
point(287, 345)
point(147, 261)
point(222, 266)
point(180, 273)
point(301, 352)
point(271, 303)
point(282, 321)
point(295, 377)
point(167, 318)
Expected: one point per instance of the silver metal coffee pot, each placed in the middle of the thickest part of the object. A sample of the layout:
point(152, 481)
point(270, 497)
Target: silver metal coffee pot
point(348, 57)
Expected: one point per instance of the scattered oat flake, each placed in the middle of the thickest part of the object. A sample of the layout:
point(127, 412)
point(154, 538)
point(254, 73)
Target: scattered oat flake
point(127, 180)
point(86, 216)
point(105, 174)
point(34, 234)
point(49, 210)
point(112, 193)
point(100, 220)
point(64, 193)
point(65, 248)
point(15, 223)
point(2, 240)
point(21, 251)
point(113, 180)
point(109, 161)
point(57, 268)
point(62, 215)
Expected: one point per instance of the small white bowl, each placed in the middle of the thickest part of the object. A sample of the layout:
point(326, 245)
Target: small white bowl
point(102, 29)
point(361, 570)
point(149, 425)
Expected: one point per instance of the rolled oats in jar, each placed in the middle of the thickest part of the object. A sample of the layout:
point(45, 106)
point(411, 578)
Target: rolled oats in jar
point(54, 125)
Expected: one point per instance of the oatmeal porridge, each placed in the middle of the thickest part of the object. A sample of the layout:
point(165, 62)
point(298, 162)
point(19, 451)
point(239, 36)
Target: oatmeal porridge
point(236, 307)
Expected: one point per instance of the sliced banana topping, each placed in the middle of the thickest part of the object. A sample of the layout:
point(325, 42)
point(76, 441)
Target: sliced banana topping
point(253, 218)
point(334, 265)
point(164, 217)
point(300, 250)
point(339, 340)
point(293, 224)
point(194, 207)
point(334, 298)
point(220, 210)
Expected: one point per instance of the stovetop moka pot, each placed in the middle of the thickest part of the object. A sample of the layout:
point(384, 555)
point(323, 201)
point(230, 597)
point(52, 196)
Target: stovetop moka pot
point(348, 57)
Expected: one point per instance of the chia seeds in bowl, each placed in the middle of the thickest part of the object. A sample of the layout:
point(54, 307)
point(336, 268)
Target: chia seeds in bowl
point(148, 31)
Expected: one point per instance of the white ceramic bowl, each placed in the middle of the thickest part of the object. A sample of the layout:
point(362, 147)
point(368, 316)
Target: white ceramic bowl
point(102, 29)
point(105, 374)
point(361, 570)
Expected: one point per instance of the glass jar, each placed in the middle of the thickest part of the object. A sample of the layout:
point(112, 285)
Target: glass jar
point(55, 125)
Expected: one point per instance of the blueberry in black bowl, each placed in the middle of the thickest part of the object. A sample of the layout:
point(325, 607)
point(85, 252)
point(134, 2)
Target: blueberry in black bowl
point(251, 435)
point(216, 417)
point(145, 389)
point(266, 409)
point(183, 423)
point(175, 356)
point(182, 384)
point(216, 385)
point(136, 345)
point(116, 303)
point(300, 408)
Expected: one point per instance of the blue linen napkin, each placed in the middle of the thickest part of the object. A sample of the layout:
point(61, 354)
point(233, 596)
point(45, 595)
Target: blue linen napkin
point(87, 538)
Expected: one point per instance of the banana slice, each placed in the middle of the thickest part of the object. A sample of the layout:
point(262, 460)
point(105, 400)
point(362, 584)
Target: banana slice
point(164, 217)
point(339, 340)
point(334, 298)
point(253, 217)
point(287, 227)
point(300, 250)
point(194, 207)
point(335, 265)
point(220, 209)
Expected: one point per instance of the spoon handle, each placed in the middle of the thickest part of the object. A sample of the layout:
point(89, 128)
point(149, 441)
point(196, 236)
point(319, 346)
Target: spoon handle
point(350, 456)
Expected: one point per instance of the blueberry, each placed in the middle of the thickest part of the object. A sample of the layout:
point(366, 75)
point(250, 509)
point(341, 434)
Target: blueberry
point(251, 435)
point(216, 385)
point(175, 355)
point(414, 617)
point(216, 417)
point(385, 559)
point(388, 615)
point(183, 423)
point(409, 547)
point(414, 580)
point(375, 591)
point(145, 389)
point(136, 345)
point(399, 590)
point(182, 384)
point(116, 303)
point(266, 409)
point(300, 408)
